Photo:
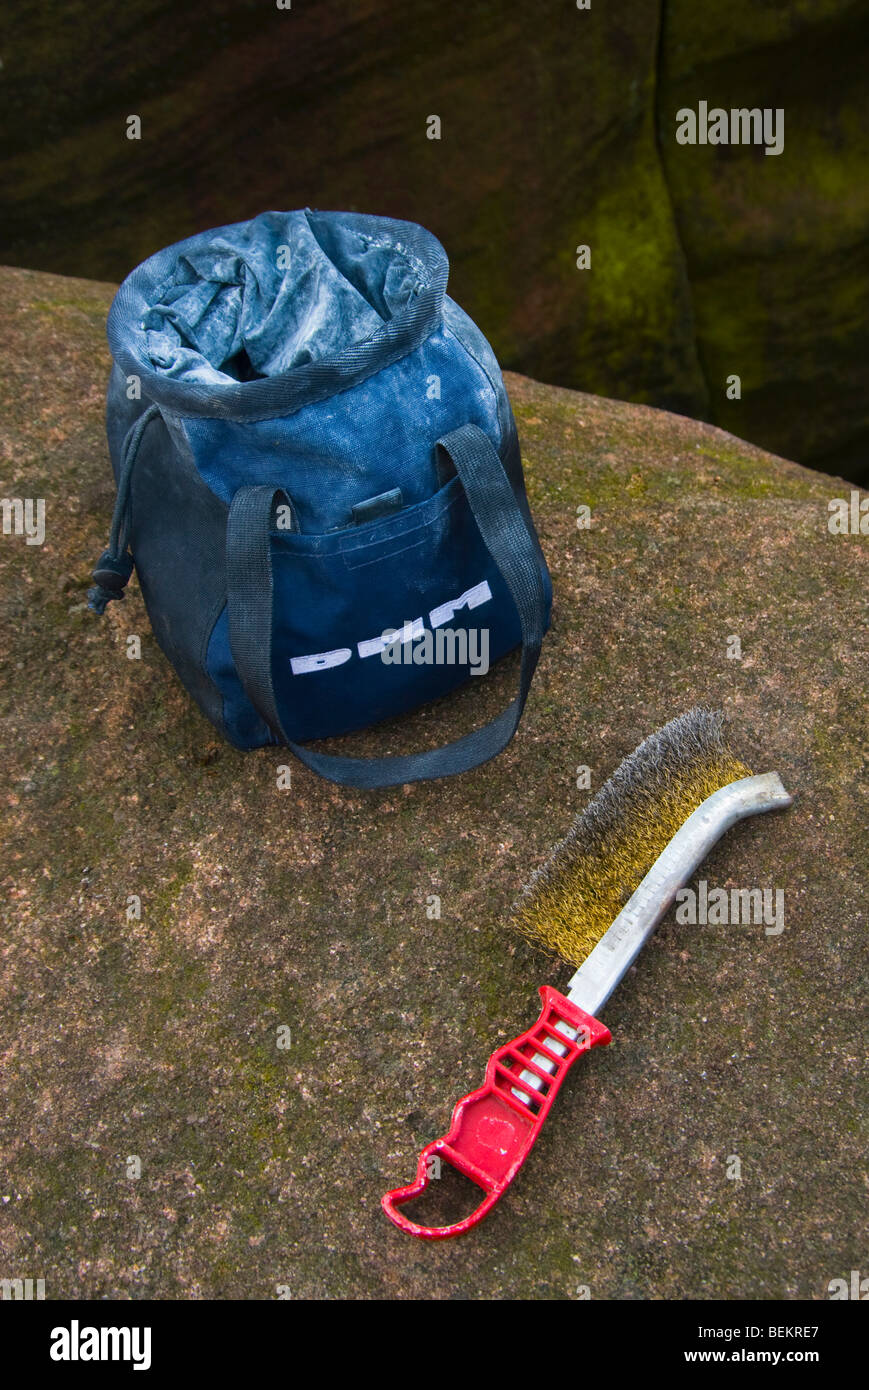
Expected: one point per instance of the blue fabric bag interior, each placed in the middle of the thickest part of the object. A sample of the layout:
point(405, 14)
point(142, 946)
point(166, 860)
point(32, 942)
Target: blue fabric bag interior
point(271, 297)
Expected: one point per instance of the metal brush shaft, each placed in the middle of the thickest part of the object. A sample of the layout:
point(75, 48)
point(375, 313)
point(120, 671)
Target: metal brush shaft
point(620, 945)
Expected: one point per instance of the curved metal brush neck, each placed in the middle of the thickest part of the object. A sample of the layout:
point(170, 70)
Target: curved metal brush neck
point(619, 947)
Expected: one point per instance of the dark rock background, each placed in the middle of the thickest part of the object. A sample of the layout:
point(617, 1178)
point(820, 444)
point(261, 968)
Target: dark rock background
point(558, 129)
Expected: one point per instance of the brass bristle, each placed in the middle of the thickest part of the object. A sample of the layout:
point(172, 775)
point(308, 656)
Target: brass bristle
point(572, 899)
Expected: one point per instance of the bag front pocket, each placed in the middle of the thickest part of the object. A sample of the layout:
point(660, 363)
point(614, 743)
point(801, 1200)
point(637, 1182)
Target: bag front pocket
point(424, 574)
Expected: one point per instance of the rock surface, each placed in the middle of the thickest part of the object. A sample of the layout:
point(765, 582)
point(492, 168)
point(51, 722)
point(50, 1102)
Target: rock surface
point(156, 1039)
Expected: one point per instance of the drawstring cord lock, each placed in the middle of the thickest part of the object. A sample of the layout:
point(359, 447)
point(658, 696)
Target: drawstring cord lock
point(110, 577)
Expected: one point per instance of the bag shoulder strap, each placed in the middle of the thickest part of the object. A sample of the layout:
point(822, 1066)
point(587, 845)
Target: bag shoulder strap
point(250, 601)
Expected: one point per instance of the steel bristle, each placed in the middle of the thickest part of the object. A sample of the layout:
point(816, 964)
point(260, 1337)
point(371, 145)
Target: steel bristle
point(573, 897)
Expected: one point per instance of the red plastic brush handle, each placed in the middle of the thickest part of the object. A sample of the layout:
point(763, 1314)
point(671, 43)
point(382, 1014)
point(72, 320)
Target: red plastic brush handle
point(493, 1130)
